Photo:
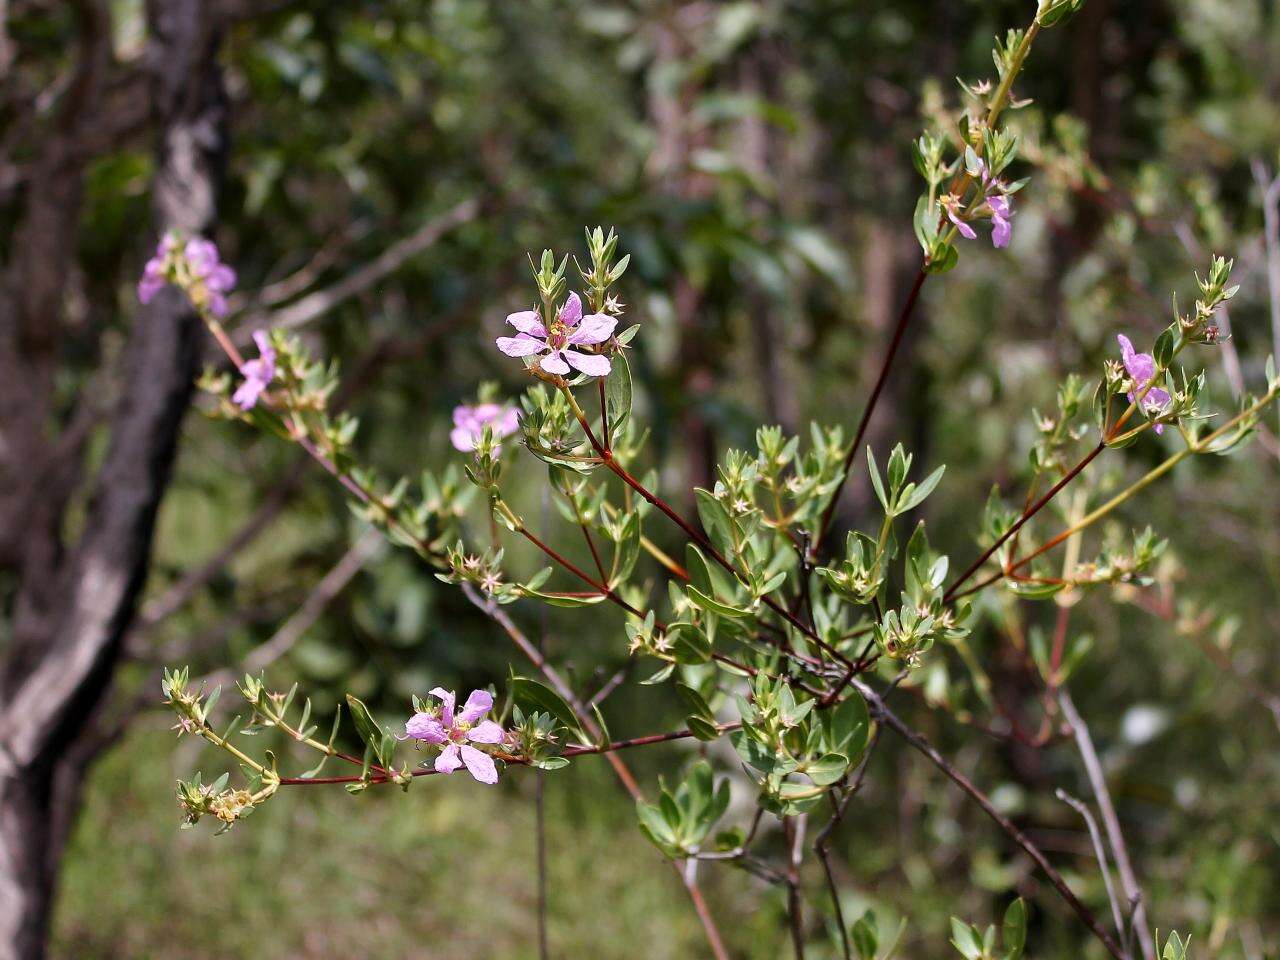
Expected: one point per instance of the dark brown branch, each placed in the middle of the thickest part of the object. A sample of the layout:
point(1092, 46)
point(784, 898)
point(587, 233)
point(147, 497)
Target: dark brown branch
point(904, 318)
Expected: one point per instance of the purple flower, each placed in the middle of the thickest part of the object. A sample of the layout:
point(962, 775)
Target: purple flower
point(215, 276)
point(1141, 368)
point(456, 733)
point(469, 424)
point(1001, 228)
point(194, 267)
point(570, 328)
point(258, 373)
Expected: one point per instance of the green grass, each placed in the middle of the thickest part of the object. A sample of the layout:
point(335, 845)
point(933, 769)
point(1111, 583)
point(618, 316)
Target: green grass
point(447, 870)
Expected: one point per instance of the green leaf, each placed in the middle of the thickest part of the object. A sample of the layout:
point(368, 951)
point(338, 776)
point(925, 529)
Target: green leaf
point(850, 724)
point(617, 392)
point(534, 697)
point(965, 939)
point(557, 600)
point(920, 492)
point(702, 729)
point(943, 259)
point(715, 519)
point(874, 470)
point(827, 769)
point(1035, 591)
point(864, 936)
point(1014, 935)
point(370, 732)
point(714, 606)
point(689, 645)
point(694, 701)
point(628, 550)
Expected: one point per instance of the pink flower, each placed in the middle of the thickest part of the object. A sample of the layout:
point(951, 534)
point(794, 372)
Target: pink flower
point(1001, 228)
point(1141, 368)
point(570, 328)
point(469, 424)
point(457, 732)
point(966, 231)
point(258, 373)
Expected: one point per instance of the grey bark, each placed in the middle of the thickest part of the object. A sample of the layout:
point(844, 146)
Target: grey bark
point(75, 597)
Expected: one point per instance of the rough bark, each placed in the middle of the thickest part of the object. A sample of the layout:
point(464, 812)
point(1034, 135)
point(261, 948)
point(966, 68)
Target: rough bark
point(69, 623)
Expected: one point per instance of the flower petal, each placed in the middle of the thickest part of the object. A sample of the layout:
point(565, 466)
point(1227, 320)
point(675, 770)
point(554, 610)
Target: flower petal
point(596, 328)
point(263, 340)
point(447, 699)
point(527, 321)
point(247, 394)
point(464, 438)
point(478, 704)
point(486, 731)
point(509, 423)
point(592, 364)
point(480, 764)
point(1001, 232)
point(521, 346)
point(423, 726)
point(448, 760)
point(554, 363)
point(571, 312)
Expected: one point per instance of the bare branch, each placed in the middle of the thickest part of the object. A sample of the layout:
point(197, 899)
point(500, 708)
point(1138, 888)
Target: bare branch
point(1099, 851)
point(317, 304)
point(1128, 881)
point(305, 617)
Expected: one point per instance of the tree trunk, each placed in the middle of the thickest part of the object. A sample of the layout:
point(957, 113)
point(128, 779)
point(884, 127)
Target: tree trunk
point(55, 681)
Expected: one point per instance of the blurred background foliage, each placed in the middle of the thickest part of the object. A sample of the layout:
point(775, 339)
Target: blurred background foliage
point(754, 158)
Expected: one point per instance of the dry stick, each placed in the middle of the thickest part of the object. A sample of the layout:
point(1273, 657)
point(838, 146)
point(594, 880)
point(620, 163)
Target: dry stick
point(900, 330)
point(366, 275)
point(823, 839)
point(182, 590)
point(1099, 851)
point(793, 828)
point(1128, 880)
point(540, 779)
point(1270, 187)
point(589, 725)
point(881, 712)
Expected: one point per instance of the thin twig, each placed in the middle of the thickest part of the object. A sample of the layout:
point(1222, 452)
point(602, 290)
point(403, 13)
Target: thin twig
point(1093, 768)
point(1099, 851)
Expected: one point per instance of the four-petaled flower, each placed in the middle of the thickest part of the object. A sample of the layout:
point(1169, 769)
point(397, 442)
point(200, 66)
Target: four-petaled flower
point(258, 373)
point(456, 732)
point(570, 329)
point(1141, 368)
point(469, 424)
